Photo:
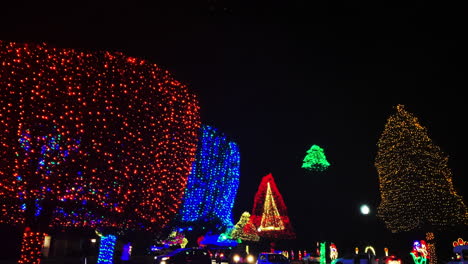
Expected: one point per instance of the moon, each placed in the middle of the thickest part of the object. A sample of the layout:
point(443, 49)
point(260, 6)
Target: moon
point(365, 209)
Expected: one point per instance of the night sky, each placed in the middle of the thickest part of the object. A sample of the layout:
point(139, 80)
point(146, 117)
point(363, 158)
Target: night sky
point(279, 76)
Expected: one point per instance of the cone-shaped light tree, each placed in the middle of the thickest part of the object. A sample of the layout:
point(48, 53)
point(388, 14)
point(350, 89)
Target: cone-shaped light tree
point(90, 139)
point(315, 160)
point(269, 214)
point(416, 187)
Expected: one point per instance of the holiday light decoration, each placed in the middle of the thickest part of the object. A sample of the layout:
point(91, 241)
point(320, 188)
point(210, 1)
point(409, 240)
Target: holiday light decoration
point(419, 252)
point(459, 242)
point(249, 231)
point(315, 159)
point(370, 250)
point(212, 185)
point(126, 251)
point(31, 247)
point(415, 181)
point(431, 247)
point(226, 237)
point(323, 252)
point(175, 238)
point(416, 186)
point(269, 212)
point(91, 139)
point(106, 250)
point(333, 252)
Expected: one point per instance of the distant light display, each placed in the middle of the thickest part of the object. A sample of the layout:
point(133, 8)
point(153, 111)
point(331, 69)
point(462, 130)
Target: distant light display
point(269, 212)
point(245, 229)
point(365, 210)
point(459, 242)
point(175, 238)
point(370, 249)
point(91, 139)
point(315, 159)
point(212, 185)
point(31, 247)
point(237, 230)
point(416, 184)
point(106, 250)
point(126, 251)
point(323, 252)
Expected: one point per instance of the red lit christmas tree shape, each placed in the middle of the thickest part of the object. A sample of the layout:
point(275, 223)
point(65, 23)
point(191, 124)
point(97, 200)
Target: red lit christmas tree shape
point(269, 213)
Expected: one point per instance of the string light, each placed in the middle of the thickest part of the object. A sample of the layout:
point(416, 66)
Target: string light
point(315, 159)
point(369, 249)
point(238, 229)
point(91, 139)
point(269, 212)
point(333, 252)
point(323, 253)
point(419, 252)
point(31, 246)
point(415, 181)
point(431, 247)
point(212, 185)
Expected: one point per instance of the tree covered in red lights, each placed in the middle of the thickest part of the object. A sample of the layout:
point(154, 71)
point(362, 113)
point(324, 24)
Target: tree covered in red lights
point(90, 139)
point(269, 214)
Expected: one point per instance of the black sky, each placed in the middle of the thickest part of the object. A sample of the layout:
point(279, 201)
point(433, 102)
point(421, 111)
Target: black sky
point(279, 76)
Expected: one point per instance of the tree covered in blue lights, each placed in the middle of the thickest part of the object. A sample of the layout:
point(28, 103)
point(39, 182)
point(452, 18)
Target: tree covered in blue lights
point(213, 182)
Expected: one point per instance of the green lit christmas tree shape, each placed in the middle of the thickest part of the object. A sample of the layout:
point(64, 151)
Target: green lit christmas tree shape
point(315, 159)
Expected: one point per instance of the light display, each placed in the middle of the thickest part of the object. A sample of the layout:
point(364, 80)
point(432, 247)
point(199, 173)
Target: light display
point(126, 252)
point(91, 139)
point(323, 253)
point(369, 250)
point(459, 242)
point(106, 249)
point(365, 210)
point(269, 212)
point(31, 247)
point(175, 238)
point(431, 247)
point(419, 252)
point(249, 231)
point(333, 252)
point(212, 185)
point(416, 185)
point(315, 159)
point(245, 229)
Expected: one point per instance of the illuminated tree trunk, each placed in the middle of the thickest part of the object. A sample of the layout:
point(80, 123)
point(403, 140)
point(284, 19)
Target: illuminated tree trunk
point(106, 249)
point(431, 247)
point(31, 246)
point(315, 159)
